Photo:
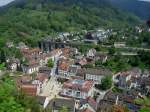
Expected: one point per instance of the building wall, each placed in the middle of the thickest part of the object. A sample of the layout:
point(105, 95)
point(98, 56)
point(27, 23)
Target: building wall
point(30, 70)
point(13, 67)
point(66, 73)
point(77, 94)
point(96, 78)
point(123, 81)
point(71, 74)
point(62, 72)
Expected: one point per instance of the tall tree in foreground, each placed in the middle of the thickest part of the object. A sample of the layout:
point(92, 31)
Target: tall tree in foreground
point(11, 100)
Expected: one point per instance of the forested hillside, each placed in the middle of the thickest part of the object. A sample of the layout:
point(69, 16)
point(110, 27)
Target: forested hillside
point(26, 20)
point(139, 8)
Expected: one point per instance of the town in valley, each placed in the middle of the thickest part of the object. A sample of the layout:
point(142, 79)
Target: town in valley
point(75, 56)
point(81, 72)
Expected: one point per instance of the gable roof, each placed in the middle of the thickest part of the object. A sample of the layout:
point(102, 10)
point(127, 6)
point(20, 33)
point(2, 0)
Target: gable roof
point(78, 84)
point(41, 77)
point(58, 103)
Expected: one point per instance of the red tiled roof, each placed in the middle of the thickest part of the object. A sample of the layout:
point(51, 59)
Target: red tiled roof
point(29, 89)
point(35, 50)
point(83, 61)
point(85, 86)
point(92, 102)
point(66, 50)
point(125, 73)
point(63, 65)
point(27, 52)
point(24, 84)
point(25, 78)
point(41, 77)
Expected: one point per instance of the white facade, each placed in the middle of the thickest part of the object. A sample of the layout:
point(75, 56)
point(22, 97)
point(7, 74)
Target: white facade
point(63, 72)
point(77, 93)
point(30, 70)
point(91, 53)
point(13, 66)
point(95, 78)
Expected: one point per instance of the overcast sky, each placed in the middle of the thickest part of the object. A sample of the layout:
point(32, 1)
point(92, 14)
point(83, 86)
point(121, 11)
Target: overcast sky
point(146, 0)
point(4, 2)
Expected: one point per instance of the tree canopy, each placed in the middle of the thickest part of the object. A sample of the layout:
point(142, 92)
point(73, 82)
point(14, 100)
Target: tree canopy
point(105, 83)
point(50, 63)
point(14, 101)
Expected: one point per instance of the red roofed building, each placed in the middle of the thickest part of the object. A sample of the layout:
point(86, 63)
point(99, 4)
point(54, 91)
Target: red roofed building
point(29, 89)
point(78, 88)
point(63, 66)
point(82, 61)
point(41, 77)
point(24, 85)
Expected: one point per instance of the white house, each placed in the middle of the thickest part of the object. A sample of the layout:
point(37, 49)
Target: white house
point(13, 64)
point(91, 53)
point(30, 67)
point(101, 56)
point(78, 89)
point(96, 74)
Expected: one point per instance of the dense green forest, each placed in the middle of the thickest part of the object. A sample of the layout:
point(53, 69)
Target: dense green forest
point(29, 20)
point(13, 101)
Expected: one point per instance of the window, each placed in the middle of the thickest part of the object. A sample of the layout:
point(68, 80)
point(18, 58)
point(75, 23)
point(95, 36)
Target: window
point(78, 94)
point(69, 92)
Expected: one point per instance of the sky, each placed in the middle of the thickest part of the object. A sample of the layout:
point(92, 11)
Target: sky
point(146, 0)
point(4, 2)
